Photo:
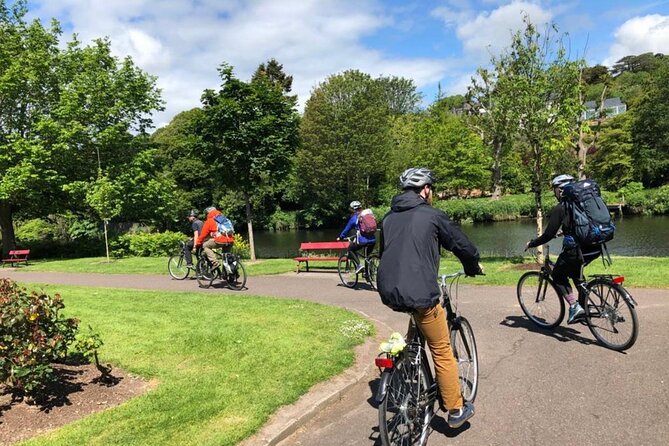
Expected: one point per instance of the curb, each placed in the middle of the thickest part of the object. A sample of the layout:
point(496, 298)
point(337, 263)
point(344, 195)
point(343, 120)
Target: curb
point(290, 418)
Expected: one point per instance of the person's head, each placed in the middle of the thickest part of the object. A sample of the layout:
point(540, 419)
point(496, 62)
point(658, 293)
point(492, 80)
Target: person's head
point(209, 209)
point(355, 206)
point(419, 179)
point(192, 215)
point(560, 182)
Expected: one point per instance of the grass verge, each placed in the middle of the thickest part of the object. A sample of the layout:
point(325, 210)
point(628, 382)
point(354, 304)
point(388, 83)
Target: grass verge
point(224, 363)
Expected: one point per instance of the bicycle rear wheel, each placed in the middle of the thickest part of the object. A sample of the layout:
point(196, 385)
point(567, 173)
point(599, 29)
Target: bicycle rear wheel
point(539, 300)
point(464, 350)
point(176, 266)
point(237, 279)
point(610, 316)
point(346, 269)
point(406, 410)
point(205, 273)
point(372, 269)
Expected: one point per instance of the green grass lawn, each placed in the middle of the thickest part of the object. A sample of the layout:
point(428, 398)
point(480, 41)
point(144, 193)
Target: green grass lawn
point(638, 271)
point(224, 363)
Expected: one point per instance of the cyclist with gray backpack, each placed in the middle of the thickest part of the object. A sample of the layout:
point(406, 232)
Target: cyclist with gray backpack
point(217, 232)
point(365, 232)
point(586, 225)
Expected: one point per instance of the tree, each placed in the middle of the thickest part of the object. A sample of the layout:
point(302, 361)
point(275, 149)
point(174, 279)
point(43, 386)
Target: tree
point(542, 98)
point(492, 117)
point(651, 130)
point(400, 94)
point(105, 198)
point(345, 135)
point(612, 162)
point(250, 130)
point(273, 72)
point(64, 113)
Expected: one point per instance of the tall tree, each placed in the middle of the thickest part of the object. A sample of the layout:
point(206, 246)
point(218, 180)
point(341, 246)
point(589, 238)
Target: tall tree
point(251, 133)
point(543, 99)
point(273, 72)
point(65, 112)
point(491, 116)
point(345, 136)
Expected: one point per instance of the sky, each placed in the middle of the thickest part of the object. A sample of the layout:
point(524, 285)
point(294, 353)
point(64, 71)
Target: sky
point(438, 44)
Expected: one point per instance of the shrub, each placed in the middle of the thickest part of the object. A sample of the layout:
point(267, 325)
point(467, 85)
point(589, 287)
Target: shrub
point(241, 247)
point(33, 335)
point(282, 220)
point(143, 244)
point(37, 229)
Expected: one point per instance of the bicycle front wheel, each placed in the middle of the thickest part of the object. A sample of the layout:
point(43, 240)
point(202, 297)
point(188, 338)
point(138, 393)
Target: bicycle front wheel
point(464, 350)
point(610, 316)
point(372, 269)
point(205, 273)
point(406, 409)
point(347, 274)
point(539, 300)
point(176, 266)
point(237, 279)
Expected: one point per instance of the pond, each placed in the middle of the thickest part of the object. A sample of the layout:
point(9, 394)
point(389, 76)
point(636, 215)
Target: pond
point(635, 236)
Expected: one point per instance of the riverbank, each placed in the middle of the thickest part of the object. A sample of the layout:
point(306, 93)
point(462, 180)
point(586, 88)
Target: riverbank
point(646, 272)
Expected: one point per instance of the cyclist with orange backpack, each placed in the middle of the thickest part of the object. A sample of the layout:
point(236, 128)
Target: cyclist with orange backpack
point(365, 228)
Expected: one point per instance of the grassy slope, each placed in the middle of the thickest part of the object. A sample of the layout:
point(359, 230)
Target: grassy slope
point(225, 363)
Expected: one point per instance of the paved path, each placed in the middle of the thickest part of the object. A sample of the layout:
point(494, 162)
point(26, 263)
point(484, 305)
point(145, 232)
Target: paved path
point(536, 387)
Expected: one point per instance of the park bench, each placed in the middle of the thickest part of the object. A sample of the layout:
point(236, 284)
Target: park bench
point(309, 248)
point(17, 256)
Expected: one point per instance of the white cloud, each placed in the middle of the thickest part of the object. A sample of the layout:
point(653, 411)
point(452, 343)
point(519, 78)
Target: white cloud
point(639, 35)
point(490, 32)
point(183, 42)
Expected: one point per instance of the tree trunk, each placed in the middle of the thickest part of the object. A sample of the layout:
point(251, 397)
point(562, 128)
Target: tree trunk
point(497, 170)
point(7, 227)
point(104, 223)
point(249, 223)
point(538, 205)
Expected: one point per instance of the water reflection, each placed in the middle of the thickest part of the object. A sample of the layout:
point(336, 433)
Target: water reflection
point(635, 236)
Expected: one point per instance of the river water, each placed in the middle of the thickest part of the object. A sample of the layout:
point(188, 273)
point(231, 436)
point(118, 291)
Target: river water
point(635, 236)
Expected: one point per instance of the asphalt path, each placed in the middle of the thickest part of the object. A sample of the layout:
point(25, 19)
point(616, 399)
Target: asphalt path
point(536, 387)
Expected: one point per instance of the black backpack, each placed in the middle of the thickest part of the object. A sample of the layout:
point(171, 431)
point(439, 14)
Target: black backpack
point(590, 218)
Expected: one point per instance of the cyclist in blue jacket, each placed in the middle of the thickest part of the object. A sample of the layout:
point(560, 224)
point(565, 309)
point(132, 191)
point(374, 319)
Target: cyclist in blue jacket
point(361, 240)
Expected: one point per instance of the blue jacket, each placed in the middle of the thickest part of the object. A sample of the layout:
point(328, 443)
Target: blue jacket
point(353, 223)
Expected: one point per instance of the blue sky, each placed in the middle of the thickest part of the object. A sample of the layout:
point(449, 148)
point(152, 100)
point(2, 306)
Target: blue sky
point(439, 42)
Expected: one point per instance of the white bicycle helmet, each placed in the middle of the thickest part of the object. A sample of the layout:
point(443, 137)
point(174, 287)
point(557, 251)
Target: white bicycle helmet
point(415, 177)
point(355, 205)
point(561, 180)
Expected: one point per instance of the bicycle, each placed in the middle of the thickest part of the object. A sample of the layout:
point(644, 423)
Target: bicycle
point(346, 267)
point(230, 269)
point(408, 391)
point(176, 264)
point(609, 308)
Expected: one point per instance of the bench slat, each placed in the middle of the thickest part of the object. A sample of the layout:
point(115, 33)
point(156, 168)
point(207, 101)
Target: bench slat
point(307, 246)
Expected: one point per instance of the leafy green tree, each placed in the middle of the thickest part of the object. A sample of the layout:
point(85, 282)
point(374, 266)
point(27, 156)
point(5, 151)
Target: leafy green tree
point(400, 94)
point(65, 113)
point(651, 130)
point(273, 72)
point(105, 198)
point(613, 163)
point(543, 99)
point(345, 134)
point(251, 132)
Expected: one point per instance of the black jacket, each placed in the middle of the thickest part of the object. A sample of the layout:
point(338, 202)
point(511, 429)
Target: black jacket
point(411, 236)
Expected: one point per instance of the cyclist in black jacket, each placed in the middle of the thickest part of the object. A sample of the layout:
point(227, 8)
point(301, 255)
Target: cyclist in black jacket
point(573, 258)
point(412, 234)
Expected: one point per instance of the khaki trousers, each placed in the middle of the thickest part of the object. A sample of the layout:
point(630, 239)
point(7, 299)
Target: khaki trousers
point(211, 244)
point(432, 324)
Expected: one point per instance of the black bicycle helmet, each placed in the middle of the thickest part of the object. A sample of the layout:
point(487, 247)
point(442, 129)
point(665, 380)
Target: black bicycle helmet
point(192, 213)
point(416, 177)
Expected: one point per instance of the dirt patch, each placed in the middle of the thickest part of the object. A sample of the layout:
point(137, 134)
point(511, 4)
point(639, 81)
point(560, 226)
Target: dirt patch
point(81, 393)
point(523, 266)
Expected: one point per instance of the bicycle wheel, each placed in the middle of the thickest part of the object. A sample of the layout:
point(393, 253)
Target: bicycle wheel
point(610, 316)
point(372, 269)
point(406, 409)
point(204, 273)
point(176, 265)
point(346, 269)
point(237, 279)
point(539, 300)
point(464, 350)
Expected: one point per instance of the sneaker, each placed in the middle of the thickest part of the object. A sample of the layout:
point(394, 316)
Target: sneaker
point(191, 266)
point(360, 268)
point(457, 419)
point(576, 312)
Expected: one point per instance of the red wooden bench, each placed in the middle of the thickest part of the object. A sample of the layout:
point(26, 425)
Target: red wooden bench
point(307, 248)
point(17, 256)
